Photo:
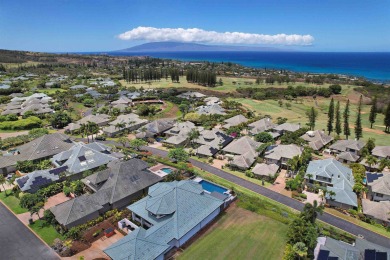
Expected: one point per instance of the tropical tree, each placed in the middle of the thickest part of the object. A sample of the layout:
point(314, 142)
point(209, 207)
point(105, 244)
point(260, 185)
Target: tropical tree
point(36, 208)
point(386, 121)
point(93, 128)
point(193, 135)
point(312, 116)
point(60, 119)
point(310, 211)
point(178, 154)
point(347, 131)
point(383, 163)
point(373, 112)
point(84, 131)
point(120, 125)
point(330, 116)
point(264, 137)
point(331, 194)
point(338, 119)
point(300, 249)
point(123, 141)
point(358, 123)
point(137, 143)
point(2, 181)
point(371, 160)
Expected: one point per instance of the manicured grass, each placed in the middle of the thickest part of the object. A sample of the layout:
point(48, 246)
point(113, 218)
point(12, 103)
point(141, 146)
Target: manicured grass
point(296, 114)
point(45, 231)
point(50, 91)
point(12, 202)
point(240, 234)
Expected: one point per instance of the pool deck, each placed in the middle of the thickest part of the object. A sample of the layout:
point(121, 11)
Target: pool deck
point(157, 169)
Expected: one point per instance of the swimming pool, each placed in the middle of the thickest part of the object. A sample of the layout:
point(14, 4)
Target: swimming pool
point(167, 170)
point(210, 187)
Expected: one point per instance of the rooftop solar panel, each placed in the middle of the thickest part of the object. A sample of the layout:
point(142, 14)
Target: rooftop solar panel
point(381, 256)
point(369, 254)
point(58, 170)
point(22, 181)
point(82, 158)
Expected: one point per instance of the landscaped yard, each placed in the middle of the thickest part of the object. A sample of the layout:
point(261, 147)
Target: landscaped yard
point(240, 234)
point(12, 202)
point(45, 231)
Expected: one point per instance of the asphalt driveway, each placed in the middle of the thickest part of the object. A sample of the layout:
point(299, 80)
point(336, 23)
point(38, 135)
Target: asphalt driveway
point(18, 242)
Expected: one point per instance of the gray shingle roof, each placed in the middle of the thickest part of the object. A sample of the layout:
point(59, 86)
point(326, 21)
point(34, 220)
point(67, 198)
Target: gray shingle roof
point(191, 94)
point(261, 125)
point(287, 127)
point(234, 121)
point(100, 119)
point(381, 185)
point(317, 139)
point(35, 180)
point(158, 126)
point(42, 147)
point(351, 157)
point(342, 145)
point(214, 138)
point(82, 157)
point(283, 151)
point(211, 110)
point(381, 151)
point(379, 210)
point(263, 169)
point(242, 145)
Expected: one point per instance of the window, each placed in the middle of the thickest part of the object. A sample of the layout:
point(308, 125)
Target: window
point(379, 195)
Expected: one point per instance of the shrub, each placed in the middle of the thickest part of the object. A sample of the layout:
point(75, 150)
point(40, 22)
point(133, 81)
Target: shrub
point(22, 124)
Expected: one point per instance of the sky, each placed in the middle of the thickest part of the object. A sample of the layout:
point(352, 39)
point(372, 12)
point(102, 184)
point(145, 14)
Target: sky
point(106, 25)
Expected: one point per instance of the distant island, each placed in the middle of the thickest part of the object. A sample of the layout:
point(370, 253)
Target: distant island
point(184, 46)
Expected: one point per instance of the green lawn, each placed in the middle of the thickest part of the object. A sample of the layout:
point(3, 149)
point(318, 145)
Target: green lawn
point(240, 234)
point(12, 202)
point(45, 231)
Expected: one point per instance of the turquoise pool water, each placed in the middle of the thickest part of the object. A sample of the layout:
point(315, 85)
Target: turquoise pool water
point(167, 170)
point(210, 187)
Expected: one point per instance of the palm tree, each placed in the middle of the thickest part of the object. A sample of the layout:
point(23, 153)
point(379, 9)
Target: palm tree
point(331, 194)
point(384, 163)
point(2, 181)
point(84, 131)
point(193, 135)
point(300, 249)
point(311, 211)
point(309, 176)
point(93, 128)
point(371, 160)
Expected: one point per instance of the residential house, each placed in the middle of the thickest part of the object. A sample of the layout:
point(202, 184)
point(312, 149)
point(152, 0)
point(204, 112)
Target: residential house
point(234, 121)
point(381, 152)
point(379, 188)
point(191, 95)
point(286, 127)
point(114, 188)
point(264, 170)
point(171, 214)
point(82, 157)
point(262, 125)
point(122, 100)
point(211, 110)
point(130, 122)
point(78, 87)
point(347, 151)
point(99, 119)
point(280, 154)
point(155, 128)
point(38, 149)
point(335, 177)
point(377, 210)
point(212, 101)
point(178, 134)
point(243, 152)
point(211, 141)
point(37, 103)
point(317, 139)
point(331, 249)
point(35, 180)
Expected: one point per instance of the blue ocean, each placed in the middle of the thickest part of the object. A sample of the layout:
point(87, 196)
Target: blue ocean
point(371, 65)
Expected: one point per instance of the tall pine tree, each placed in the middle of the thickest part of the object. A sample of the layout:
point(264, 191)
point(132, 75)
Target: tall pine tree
point(330, 116)
point(373, 112)
point(347, 131)
point(386, 121)
point(312, 115)
point(358, 123)
point(338, 120)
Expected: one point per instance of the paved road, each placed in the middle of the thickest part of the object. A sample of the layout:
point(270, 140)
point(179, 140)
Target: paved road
point(18, 242)
point(328, 218)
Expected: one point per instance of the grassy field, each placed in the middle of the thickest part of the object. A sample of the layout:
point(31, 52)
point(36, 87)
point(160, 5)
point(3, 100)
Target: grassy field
point(240, 234)
point(51, 91)
point(228, 85)
point(45, 231)
point(12, 202)
point(296, 114)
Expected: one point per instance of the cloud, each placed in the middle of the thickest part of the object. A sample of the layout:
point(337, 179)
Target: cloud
point(199, 35)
